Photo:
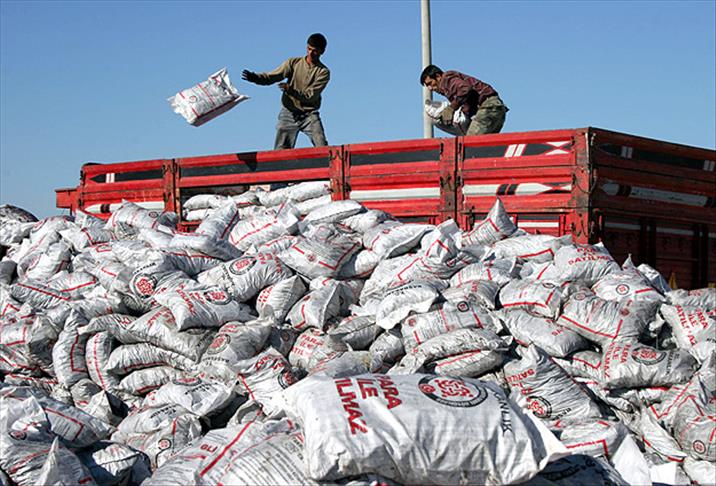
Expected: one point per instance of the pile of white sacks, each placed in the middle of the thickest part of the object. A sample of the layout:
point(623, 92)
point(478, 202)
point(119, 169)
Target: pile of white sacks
point(295, 340)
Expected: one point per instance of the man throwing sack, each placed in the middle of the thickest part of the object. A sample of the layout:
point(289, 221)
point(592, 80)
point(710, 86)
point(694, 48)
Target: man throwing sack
point(306, 77)
point(475, 98)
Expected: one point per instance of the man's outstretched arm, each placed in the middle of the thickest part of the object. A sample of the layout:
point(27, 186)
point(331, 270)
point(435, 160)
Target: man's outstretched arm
point(265, 79)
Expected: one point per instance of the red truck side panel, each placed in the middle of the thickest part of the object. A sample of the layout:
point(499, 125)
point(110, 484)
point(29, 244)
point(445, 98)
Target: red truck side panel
point(651, 199)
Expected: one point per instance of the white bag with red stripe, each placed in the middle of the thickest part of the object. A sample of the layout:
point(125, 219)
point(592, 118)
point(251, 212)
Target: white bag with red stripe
point(256, 230)
point(495, 227)
point(530, 248)
point(207, 245)
point(310, 347)
point(135, 215)
point(156, 327)
point(585, 263)
point(81, 238)
point(201, 397)
point(207, 99)
point(162, 444)
point(602, 321)
point(145, 380)
point(32, 339)
point(360, 265)
point(322, 252)
point(398, 302)
point(275, 301)
point(451, 344)
point(305, 191)
point(37, 295)
point(635, 365)
point(211, 458)
point(348, 421)
point(362, 222)
point(689, 412)
point(540, 385)
point(62, 466)
point(628, 283)
point(219, 223)
point(693, 327)
point(333, 212)
point(77, 284)
point(501, 271)
point(235, 342)
point(263, 379)
point(316, 307)
point(704, 298)
point(472, 364)
point(99, 348)
point(478, 292)
point(203, 306)
point(543, 298)
point(245, 277)
point(204, 201)
point(392, 238)
point(68, 353)
point(129, 357)
point(419, 328)
point(529, 328)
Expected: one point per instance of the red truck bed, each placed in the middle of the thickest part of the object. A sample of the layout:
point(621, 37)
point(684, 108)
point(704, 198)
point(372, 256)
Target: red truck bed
point(653, 199)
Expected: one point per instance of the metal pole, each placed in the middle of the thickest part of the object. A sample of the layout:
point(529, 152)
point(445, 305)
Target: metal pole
point(427, 60)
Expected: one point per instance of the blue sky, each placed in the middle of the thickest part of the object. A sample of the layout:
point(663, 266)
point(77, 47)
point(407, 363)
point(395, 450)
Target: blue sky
point(88, 81)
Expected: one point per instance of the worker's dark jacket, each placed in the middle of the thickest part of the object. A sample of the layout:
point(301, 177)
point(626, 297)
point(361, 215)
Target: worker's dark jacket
point(464, 91)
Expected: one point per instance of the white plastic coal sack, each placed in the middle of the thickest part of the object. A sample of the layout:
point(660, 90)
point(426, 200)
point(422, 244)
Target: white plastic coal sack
point(417, 429)
point(207, 99)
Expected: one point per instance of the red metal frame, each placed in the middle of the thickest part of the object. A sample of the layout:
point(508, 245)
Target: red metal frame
point(651, 198)
point(405, 180)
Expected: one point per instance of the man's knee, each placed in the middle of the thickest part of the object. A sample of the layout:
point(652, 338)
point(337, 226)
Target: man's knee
point(285, 139)
point(315, 131)
point(484, 123)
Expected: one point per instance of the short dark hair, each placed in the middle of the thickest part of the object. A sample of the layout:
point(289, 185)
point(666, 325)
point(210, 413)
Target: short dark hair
point(318, 41)
point(431, 71)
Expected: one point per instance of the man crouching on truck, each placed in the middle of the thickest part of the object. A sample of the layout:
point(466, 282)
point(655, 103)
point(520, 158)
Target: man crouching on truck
point(475, 98)
point(307, 77)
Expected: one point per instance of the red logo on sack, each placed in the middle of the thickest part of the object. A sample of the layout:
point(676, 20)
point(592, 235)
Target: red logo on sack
point(219, 343)
point(241, 265)
point(647, 356)
point(698, 447)
point(453, 392)
point(18, 434)
point(164, 444)
point(186, 381)
point(216, 296)
point(622, 289)
point(311, 257)
point(539, 406)
point(145, 285)
point(286, 379)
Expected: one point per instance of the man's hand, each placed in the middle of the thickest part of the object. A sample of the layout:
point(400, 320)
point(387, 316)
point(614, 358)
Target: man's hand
point(249, 76)
point(283, 86)
point(447, 115)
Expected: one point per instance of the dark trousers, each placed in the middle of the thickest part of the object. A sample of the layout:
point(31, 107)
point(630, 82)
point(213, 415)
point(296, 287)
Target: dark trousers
point(290, 123)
